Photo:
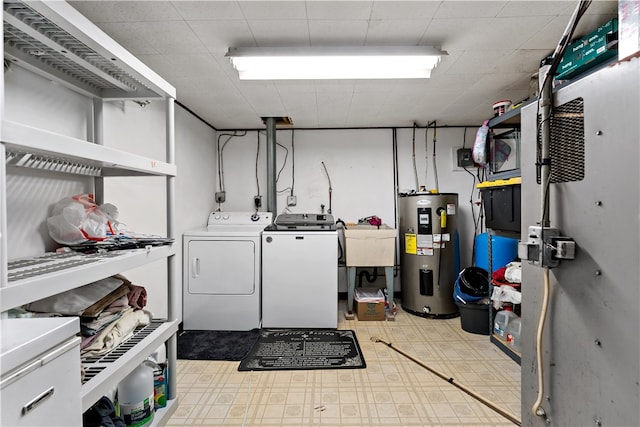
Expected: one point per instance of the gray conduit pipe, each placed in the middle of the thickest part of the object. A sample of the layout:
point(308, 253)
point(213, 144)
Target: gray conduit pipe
point(272, 194)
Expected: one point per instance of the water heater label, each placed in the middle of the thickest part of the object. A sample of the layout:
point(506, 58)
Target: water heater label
point(445, 237)
point(410, 244)
point(424, 221)
point(451, 208)
point(425, 244)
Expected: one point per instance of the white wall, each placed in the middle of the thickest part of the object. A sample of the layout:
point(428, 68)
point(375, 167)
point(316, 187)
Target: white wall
point(361, 172)
point(360, 163)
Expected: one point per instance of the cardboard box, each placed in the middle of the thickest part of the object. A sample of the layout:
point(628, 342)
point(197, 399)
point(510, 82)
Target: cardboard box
point(369, 304)
point(369, 310)
point(588, 51)
point(370, 246)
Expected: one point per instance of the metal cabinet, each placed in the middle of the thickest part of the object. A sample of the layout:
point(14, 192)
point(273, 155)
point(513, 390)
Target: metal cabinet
point(55, 41)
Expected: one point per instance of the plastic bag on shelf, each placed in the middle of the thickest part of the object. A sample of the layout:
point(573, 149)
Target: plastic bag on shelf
point(79, 219)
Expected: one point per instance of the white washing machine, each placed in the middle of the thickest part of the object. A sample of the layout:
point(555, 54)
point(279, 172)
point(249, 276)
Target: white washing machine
point(221, 272)
point(300, 272)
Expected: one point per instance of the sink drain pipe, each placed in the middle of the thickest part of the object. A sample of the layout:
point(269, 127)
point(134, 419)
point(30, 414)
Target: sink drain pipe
point(451, 381)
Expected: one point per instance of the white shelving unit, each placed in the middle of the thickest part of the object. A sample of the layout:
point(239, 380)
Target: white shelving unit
point(53, 40)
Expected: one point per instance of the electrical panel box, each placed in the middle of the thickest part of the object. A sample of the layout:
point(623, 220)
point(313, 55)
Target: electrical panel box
point(464, 157)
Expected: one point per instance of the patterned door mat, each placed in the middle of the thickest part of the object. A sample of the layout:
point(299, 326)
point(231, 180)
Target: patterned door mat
point(278, 350)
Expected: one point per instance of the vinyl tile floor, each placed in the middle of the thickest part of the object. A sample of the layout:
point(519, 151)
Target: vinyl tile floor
point(391, 391)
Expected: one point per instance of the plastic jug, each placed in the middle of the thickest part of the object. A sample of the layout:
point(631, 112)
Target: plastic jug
point(513, 334)
point(136, 397)
point(502, 320)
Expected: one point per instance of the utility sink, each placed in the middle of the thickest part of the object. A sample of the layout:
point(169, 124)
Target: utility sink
point(370, 246)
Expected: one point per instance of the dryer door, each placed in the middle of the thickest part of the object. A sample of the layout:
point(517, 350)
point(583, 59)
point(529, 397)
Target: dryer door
point(222, 267)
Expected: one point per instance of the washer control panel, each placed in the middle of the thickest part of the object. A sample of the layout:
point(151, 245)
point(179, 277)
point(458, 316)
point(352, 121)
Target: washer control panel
point(239, 218)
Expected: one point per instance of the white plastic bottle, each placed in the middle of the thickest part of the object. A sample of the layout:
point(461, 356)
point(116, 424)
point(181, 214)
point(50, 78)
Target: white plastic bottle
point(502, 320)
point(514, 333)
point(135, 397)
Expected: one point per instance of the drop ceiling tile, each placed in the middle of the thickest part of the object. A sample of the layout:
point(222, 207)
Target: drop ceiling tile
point(469, 9)
point(292, 32)
point(273, 9)
point(332, 107)
point(217, 35)
point(328, 10)
point(536, 8)
point(208, 10)
point(168, 37)
point(475, 61)
point(506, 33)
point(404, 9)
point(131, 35)
point(338, 33)
point(395, 32)
point(522, 61)
point(342, 86)
point(183, 65)
point(547, 36)
point(455, 82)
point(126, 11)
point(373, 86)
point(500, 82)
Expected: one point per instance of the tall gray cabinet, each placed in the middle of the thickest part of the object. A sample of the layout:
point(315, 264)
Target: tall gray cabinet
point(53, 40)
point(591, 344)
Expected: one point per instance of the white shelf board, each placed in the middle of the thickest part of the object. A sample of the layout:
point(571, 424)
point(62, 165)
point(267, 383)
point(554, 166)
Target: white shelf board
point(21, 138)
point(76, 53)
point(23, 291)
point(116, 371)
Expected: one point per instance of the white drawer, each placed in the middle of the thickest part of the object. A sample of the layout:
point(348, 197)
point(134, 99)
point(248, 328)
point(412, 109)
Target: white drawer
point(44, 391)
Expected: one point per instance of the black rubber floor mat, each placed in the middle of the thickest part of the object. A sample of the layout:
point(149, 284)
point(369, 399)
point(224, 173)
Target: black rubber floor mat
point(216, 345)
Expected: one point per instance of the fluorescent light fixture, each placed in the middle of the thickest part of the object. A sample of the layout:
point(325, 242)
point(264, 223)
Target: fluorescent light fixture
point(315, 63)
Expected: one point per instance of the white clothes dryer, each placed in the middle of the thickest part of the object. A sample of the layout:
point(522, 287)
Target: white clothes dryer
point(221, 272)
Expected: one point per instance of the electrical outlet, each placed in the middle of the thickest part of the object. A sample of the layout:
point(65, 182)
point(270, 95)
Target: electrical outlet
point(292, 200)
point(220, 196)
point(257, 201)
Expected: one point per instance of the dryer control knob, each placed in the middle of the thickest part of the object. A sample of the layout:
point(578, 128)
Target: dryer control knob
point(217, 217)
point(225, 217)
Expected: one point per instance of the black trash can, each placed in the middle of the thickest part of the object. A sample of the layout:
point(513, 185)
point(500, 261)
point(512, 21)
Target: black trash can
point(474, 281)
point(470, 293)
point(474, 318)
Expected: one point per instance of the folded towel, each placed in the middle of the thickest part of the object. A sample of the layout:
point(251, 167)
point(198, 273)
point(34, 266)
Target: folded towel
point(75, 301)
point(117, 332)
point(137, 296)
